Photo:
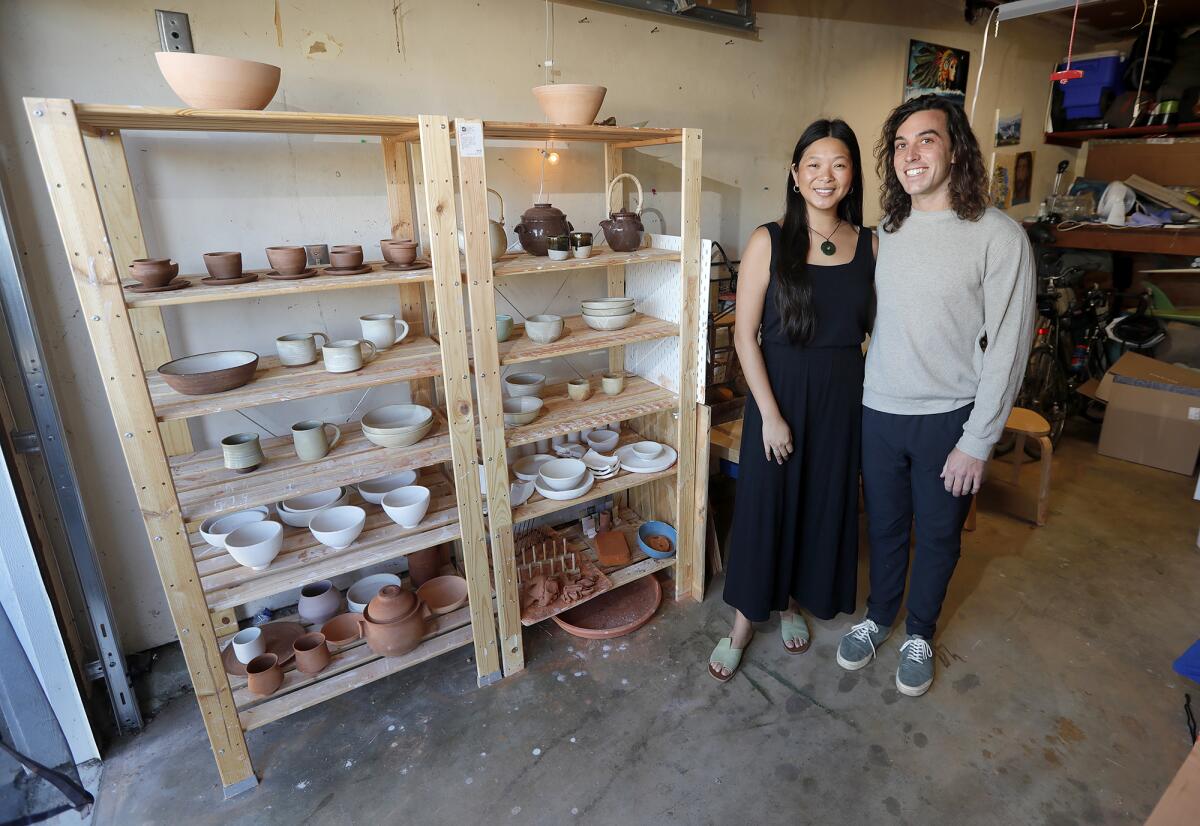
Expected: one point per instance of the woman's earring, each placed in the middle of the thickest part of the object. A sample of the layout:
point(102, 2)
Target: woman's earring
point(795, 187)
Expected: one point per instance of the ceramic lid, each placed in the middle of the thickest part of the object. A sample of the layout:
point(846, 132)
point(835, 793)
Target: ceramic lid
point(390, 604)
point(542, 212)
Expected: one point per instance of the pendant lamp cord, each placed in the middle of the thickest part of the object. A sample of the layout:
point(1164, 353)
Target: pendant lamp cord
point(1137, 101)
point(983, 59)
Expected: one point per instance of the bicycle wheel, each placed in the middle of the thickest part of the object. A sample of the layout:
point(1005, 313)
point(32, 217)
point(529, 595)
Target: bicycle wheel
point(1044, 391)
point(1093, 409)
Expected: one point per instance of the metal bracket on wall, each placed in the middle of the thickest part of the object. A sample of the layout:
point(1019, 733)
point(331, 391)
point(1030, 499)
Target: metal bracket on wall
point(742, 19)
point(48, 441)
point(25, 441)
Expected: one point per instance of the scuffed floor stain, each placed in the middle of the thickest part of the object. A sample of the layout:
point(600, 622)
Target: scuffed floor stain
point(1067, 731)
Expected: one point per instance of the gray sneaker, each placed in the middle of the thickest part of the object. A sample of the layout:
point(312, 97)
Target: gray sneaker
point(914, 675)
point(857, 648)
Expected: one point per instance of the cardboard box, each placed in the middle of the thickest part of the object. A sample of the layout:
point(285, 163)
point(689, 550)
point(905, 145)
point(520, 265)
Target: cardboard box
point(1153, 415)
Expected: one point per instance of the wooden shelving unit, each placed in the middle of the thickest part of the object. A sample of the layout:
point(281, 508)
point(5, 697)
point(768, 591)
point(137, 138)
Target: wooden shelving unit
point(661, 350)
point(83, 160)
point(1079, 137)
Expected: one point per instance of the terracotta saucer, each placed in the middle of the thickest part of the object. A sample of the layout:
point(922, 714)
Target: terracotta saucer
point(229, 282)
point(177, 284)
point(415, 265)
point(279, 637)
point(614, 613)
point(309, 273)
point(348, 270)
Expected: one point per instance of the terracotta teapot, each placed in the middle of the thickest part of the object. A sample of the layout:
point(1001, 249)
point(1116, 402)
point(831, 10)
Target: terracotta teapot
point(397, 636)
point(538, 223)
point(623, 229)
point(497, 237)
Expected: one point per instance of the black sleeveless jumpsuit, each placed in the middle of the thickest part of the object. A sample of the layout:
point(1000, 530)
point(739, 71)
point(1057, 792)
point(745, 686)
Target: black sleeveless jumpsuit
point(795, 525)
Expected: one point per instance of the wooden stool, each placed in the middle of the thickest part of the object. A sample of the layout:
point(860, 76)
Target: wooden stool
point(1026, 424)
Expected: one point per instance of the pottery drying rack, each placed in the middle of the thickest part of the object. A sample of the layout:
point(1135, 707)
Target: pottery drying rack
point(84, 162)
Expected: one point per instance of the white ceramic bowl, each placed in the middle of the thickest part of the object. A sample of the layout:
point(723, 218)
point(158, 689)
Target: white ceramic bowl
point(607, 306)
point(563, 495)
point(527, 467)
point(214, 529)
point(544, 329)
point(374, 490)
point(602, 441)
point(397, 418)
point(647, 450)
point(366, 589)
point(407, 506)
point(338, 527)
point(524, 384)
point(393, 438)
point(256, 544)
point(299, 510)
point(521, 410)
point(562, 474)
point(608, 323)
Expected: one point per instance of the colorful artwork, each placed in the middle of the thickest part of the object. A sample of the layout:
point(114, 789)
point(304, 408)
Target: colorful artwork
point(1022, 180)
point(936, 70)
point(1002, 179)
point(1008, 128)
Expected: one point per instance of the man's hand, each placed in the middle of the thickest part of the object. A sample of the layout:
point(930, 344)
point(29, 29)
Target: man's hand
point(962, 473)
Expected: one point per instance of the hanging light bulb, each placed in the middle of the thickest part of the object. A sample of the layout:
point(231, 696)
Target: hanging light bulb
point(552, 157)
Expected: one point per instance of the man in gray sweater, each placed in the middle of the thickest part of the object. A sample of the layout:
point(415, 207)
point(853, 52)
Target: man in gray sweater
point(955, 287)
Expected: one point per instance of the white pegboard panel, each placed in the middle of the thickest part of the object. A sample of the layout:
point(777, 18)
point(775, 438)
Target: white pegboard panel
point(656, 286)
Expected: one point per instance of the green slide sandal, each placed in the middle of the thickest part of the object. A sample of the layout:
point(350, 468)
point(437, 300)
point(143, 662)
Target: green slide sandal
point(794, 627)
point(727, 656)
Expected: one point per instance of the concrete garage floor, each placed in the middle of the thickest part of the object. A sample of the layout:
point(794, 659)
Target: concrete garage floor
point(1055, 704)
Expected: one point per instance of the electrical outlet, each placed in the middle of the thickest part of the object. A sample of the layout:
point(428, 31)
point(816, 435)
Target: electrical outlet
point(174, 31)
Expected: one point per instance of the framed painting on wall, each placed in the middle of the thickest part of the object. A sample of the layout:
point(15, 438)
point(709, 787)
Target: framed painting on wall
point(1008, 128)
point(933, 69)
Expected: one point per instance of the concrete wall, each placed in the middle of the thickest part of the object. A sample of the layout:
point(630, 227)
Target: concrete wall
point(751, 95)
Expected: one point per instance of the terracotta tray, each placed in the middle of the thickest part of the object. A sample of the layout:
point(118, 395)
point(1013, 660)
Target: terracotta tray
point(615, 613)
point(279, 637)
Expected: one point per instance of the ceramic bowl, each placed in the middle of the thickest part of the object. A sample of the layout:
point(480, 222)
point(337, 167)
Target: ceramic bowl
point(338, 527)
point(521, 410)
point(618, 303)
point(524, 384)
point(527, 467)
point(366, 589)
point(562, 474)
point(318, 602)
point(210, 372)
point(374, 490)
point(579, 389)
point(612, 383)
point(647, 450)
point(214, 529)
point(407, 506)
point(608, 323)
point(576, 103)
point(444, 594)
point(565, 495)
point(223, 264)
point(650, 529)
point(400, 253)
point(206, 81)
point(288, 260)
point(397, 439)
point(299, 511)
point(602, 441)
point(344, 628)
point(154, 272)
point(609, 312)
point(544, 328)
point(256, 544)
point(397, 418)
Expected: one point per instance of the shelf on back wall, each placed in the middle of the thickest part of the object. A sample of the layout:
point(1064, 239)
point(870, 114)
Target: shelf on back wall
point(1078, 137)
point(577, 337)
point(523, 263)
point(560, 414)
point(110, 116)
point(205, 487)
point(415, 358)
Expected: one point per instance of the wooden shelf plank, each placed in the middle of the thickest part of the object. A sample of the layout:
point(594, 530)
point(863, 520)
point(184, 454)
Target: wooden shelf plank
point(265, 287)
point(561, 414)
point(108, 116)
point(350, 668)
point(415, 358)
point(579, 338)
point(1077, 138)
point(518, 130)
point(538, 506)
point(524, 264)
point(205, 487)
point(1154, 240)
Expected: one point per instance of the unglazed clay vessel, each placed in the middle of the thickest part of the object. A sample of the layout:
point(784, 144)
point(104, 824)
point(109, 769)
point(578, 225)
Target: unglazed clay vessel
point(206, 81)
point(263, 675)
point(399, 252)
point(288, 260)
point(392, 603)
point(154, 272)
point(424, 565)
point(209, 372)
point(538, 223)
point(400, 635)
point(444, 594)
point(312, 653)
point(318, 602)
point(623, 229)
point(574, 103)
point(346, 256)
point(223, 264)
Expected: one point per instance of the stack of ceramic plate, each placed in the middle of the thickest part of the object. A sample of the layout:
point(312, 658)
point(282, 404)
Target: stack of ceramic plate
point(397, 425)
point(564, 479)
point(608, 313)
point(601, 466)
point(646, 457)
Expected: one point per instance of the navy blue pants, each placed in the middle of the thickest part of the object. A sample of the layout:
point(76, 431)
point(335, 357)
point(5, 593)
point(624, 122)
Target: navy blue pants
point(902, 460)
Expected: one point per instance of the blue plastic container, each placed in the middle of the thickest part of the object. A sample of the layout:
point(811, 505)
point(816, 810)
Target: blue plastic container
point(650, 529)
point(1086, 97)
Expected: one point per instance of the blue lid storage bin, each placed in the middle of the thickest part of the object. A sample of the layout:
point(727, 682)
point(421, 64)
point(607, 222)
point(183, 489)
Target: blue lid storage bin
point(1089, 96)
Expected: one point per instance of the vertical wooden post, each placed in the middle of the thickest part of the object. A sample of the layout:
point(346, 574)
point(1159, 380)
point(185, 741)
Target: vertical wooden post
point(690, 559)
point(695, 588)
point(77, 210)
point(613, 166)
point(472, 181)
point(447, 281)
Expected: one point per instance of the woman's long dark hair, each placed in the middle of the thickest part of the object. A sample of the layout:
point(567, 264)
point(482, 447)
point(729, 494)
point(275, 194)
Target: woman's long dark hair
point(793, 294)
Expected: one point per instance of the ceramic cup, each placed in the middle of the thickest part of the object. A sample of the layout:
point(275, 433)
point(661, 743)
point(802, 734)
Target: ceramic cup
point(345, 355)
point(298, 349)
point(504, 327)
point(579, 389)
point(559, 247)
point(248, 644)
point(242, 452)
point(581, 244)
point(288, 260)
point(312, 653)
point(613, 383)
point(312, 440)
point(223, 264)
point(263, 675)
point(346, 256)
point(383, 329)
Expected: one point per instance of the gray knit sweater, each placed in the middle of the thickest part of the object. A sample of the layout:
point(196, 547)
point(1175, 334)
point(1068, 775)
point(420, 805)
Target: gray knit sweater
point(942, 285)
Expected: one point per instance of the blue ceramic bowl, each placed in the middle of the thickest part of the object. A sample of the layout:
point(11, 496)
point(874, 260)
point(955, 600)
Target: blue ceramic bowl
point(650, 529)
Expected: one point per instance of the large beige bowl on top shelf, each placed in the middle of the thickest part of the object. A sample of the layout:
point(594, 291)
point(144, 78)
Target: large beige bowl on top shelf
point(572, 103)
point(209, 81)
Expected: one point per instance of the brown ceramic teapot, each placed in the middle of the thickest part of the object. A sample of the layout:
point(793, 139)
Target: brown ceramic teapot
point(538, 223)
point(397, 636)
point(623, 229)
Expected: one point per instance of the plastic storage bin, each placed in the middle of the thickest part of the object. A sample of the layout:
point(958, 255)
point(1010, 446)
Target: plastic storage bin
point(1090, 95)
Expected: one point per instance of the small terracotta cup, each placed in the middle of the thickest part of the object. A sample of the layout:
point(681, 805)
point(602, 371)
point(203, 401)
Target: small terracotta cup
point(400, 253)
point(154, 272)
point(223, 264)
point(346, 256)
point(579, 389)
point(288, 260)
point(263, 675)
point(312, 653)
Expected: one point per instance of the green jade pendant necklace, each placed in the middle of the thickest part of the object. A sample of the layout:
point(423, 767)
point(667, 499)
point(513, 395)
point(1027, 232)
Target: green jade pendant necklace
point(827, 246)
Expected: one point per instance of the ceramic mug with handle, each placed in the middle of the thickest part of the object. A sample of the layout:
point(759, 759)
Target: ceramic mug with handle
point(298, 349)
point(313, 440)
point(383, 329)
point(345, 355)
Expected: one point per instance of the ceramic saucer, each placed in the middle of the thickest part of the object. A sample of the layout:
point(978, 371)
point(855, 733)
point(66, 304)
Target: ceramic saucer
point(365, 268)
point(278, 636)
point(177, 284)
point(245, 278)
point(563, 495)
point(309, 273)
point(527, 467)
point(633, 463)
point(415, 265)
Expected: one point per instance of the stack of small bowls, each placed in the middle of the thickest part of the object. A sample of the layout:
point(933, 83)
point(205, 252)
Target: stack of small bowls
point(608, 313)
point(300, 510)
point(397, 425)
point(524, 401)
